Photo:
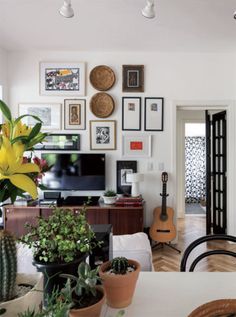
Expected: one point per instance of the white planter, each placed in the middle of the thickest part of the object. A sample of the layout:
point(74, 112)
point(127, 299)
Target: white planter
point(32, 300)
point(109, 200)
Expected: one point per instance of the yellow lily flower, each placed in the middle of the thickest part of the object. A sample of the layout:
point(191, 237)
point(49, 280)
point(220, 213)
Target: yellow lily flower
point(19, 129)
point(13, 168)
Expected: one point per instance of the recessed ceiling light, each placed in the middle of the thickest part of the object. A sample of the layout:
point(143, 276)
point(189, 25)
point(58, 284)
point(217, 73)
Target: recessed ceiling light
point(149, 10)
point(66, 10)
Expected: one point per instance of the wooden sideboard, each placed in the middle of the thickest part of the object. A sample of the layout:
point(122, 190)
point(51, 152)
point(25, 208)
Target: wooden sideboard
point(125, 220)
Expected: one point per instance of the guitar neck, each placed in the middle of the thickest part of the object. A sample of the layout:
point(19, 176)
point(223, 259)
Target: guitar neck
point(163, 206)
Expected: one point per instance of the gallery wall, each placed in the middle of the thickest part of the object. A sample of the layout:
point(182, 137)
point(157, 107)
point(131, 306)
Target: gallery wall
point(175, 77)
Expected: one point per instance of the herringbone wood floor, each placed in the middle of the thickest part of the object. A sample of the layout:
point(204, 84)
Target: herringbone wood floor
point(189, 229)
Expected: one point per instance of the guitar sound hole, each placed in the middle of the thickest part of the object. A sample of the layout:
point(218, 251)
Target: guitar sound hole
point(163, 217)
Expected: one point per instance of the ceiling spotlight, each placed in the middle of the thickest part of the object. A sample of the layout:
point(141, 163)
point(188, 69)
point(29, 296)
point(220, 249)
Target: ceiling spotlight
point(66, 10)
point(148, 11)
point(234, 14)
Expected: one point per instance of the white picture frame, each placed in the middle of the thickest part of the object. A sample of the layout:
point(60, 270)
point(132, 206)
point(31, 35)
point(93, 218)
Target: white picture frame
point(79, 120)
point(62, 79)
point(102, 134)
point(137, 146)
point(154, 114)
point(131, 113)
point(49, 113)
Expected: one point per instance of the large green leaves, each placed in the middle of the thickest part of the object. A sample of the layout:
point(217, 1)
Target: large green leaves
point(5, 110)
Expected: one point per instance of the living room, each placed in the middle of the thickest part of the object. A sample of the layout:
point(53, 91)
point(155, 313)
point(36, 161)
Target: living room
point(188, 57)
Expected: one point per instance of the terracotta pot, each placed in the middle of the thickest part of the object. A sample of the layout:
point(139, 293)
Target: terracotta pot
point(119, 288)
point(90, 311)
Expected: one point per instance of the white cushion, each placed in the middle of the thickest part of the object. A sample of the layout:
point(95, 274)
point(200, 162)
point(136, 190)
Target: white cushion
point(134, 246)
point(24, 259)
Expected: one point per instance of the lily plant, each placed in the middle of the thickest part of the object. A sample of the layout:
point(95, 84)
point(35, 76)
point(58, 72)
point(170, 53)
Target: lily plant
point(19, 174)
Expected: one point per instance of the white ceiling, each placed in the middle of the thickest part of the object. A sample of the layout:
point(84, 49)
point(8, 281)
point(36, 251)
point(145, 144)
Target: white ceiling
point(117, 25)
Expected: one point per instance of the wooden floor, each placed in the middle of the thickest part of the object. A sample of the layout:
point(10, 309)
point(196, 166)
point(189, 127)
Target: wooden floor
point(189, 229)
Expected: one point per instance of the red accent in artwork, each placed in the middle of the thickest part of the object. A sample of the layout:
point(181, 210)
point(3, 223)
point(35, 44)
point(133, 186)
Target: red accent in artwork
point(136, 145)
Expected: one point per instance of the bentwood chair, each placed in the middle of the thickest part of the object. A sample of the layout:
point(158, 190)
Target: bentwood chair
point(194, 244)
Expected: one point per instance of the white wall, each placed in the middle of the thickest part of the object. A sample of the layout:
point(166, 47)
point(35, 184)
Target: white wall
point(176, 76)
point(3, 76)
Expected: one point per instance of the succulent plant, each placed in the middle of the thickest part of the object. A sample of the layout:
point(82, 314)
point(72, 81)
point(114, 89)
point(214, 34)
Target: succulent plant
point(8, 266)
point(109, 193)
point(119, 265)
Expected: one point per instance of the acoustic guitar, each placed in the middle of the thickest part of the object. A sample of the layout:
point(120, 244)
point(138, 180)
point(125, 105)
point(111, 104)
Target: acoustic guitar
point(163, 228)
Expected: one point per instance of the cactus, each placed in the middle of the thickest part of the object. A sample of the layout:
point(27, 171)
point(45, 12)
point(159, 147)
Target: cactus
point(8, 266)
point(119, 265)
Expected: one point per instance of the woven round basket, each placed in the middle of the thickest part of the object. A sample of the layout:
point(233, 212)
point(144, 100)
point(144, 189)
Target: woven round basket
point(102, 77)
point(216, 308)
point(102, 105)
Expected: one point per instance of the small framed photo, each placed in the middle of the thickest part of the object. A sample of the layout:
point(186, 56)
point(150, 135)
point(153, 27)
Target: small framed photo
point(131, 113)
point(74, 114)
point(60, 79)
point(137, 145)
point(59, 142)
point(49, 113)
point(154, 114)
point(102, 134)
point(133, 78)
point(123, 168)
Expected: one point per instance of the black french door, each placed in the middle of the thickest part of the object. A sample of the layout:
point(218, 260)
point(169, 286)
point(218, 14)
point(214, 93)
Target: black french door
point(216, 169)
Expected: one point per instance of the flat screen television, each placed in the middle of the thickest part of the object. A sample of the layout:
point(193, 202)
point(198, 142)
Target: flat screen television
point(74, 171)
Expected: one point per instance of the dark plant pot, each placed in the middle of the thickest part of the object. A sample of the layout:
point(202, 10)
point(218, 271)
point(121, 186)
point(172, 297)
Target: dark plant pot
point(51, 274)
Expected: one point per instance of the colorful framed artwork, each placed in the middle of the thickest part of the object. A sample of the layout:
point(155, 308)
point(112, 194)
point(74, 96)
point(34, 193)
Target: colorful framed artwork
point(154, 114)
point(49, 113)
point(60, 142)
point(123, 168)
point(62, 79)
point(74, 114)
point(131, 113)
point(133, 78)
point(137, 145)
point(102, 134)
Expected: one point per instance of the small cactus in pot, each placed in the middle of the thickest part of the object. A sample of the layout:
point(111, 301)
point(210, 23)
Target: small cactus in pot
point(119, 265)
point(8, 265)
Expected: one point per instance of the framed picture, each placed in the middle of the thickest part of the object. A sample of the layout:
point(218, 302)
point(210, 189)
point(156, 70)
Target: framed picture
point(154, 114)
point(49, 113)
point(74, 114)
point(131, 113)
point(60, 79)
point(102, 134)
point(60, 142)
point(133, 78)
point(122, 169)
point(137, 145)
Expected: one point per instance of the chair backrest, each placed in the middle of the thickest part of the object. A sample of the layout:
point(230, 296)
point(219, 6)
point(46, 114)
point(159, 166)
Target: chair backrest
point(194, 244)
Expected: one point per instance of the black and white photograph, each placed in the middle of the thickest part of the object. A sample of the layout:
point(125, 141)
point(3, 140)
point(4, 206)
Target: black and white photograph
point(154, 114)
point(131, 113)
point(133, 78)
point(123, 168)
point(102, 135)
point(62, 78)
point(49, 113)
point(74, 114)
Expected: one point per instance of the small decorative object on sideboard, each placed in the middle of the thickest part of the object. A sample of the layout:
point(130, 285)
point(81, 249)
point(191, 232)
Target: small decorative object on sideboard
point(119, 278)
point(109, 197)
point(85, 295)
point(135, 178)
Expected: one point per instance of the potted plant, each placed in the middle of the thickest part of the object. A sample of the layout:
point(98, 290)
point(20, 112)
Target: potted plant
point(109, 197)
point(119, 278)
point(85, 295)
point(59, 242)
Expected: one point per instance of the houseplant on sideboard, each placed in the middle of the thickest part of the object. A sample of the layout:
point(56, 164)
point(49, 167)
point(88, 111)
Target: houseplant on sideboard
point(119, 278)
point(109, 197)
point(59, 243)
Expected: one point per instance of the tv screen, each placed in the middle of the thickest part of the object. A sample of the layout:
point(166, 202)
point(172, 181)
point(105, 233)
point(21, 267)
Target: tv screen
point(73, 171)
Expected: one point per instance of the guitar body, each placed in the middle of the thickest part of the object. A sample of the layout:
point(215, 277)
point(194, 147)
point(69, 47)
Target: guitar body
point(163, 228)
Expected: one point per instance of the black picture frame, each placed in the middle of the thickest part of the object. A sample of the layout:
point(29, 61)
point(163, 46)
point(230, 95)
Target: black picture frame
point(154, 114)
point(131, 113)
point(133, 78)
point(121, 166)
point(58, 142)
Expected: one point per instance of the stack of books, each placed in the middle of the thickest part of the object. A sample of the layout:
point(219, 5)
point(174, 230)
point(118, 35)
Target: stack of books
point(129, 201)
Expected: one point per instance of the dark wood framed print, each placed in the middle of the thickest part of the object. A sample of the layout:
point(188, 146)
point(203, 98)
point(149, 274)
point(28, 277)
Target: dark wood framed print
point(133, 78)
point(131, 113)
point(58, 142)
point(154, 114)
point(74, 114)
point(102, 134)
point(122, 169)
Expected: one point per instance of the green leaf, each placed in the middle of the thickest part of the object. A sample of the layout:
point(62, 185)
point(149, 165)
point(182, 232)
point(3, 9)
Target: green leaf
point(35, 131)
point(5, 110)
point(21, 138)
point(27, 115)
